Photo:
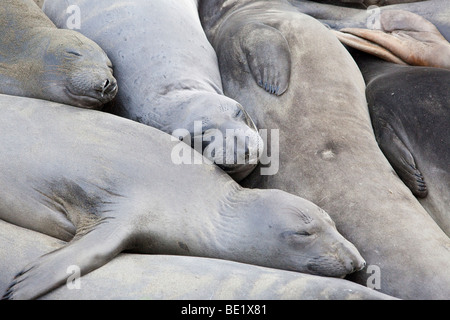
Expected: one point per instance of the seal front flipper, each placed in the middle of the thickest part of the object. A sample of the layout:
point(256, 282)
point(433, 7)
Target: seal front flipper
point(268, 56)
point(367, 46)
point(401, 160)
point(86, 252)
point(404, 35)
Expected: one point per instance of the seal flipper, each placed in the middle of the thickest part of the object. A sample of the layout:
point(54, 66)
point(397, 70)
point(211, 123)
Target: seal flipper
point(405, 35)
point(268, 56)
point(367, 46)
point(401, 160)
point(88, 252)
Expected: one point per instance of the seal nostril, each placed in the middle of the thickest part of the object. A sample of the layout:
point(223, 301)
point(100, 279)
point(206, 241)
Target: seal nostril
point(363, 265)
point(108, 86)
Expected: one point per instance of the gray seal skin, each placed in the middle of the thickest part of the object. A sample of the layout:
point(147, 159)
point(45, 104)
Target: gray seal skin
point(410, 112)
point(328, 151)
point(168, 277)
point(168, 72)
point(108, 184)
point(40, 61)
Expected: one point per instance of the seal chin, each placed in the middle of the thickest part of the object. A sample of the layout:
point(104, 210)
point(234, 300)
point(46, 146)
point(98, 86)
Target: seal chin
point(238, 172)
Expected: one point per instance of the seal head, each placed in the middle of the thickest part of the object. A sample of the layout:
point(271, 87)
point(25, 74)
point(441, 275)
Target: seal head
point(74, 71)
point(222, 131)
point(307, 240)
point(41, 61)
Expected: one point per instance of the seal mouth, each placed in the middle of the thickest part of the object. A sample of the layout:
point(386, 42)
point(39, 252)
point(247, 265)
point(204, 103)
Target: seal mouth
point(83, 100)
point(239, 171)
point(98, 97)
point(331, 266)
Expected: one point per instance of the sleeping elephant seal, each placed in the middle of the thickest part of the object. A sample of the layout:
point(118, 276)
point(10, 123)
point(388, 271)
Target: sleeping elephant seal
point(169, 74)
point(410, 112)
point(166, 277)
point(327, 149)
point(109, 184)
point(38, 60)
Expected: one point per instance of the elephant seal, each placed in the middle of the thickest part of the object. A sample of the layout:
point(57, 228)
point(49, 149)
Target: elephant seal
point(168, 73)
point(154, 277)
point(328, 151)
point(40, 61)
point(406, 33)
point(410, 112)
point(109, 184)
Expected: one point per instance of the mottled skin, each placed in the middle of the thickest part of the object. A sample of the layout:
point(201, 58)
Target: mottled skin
point(168, 277)
point(38, 60)
point(108, 184)
point(410, 112)
point(167, 71)
point(328, 151)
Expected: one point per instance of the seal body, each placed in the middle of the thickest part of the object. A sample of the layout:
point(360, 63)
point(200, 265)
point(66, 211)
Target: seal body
point(168, 72)
point(171, 277)
point(40, 61)
point(328, 151)
point(109, 184)
point(410, 112)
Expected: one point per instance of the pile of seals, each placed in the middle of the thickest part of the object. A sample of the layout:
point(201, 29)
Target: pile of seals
point(173, 163)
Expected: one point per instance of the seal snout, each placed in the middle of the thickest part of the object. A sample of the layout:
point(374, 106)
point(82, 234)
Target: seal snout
point(109, 87)
point(353, 261)
point(356, 265)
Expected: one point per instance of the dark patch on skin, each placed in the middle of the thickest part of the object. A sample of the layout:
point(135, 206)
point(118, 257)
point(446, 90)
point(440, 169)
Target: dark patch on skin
point(65, 193)
point(82, 205)
point(183, 246)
